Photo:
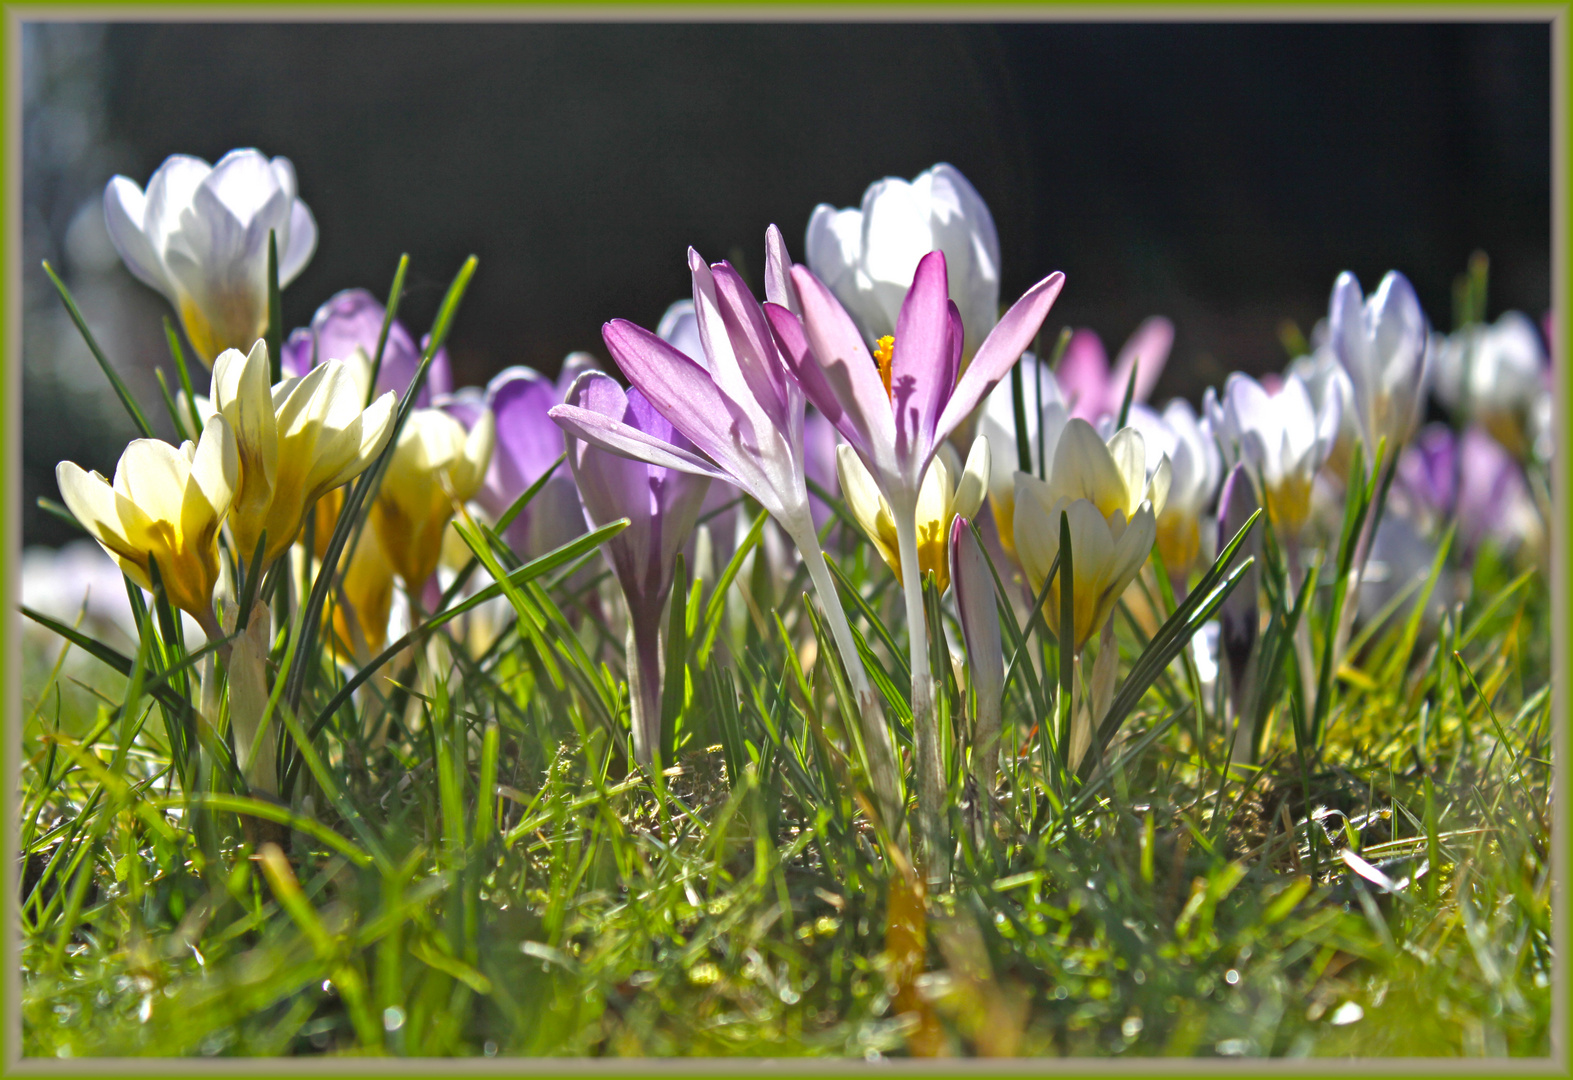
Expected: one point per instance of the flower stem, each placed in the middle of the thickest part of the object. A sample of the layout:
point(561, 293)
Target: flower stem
point(925, 724)
point(644, 686)
point(871, 717)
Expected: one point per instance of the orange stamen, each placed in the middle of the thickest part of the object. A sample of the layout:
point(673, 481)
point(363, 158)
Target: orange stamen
point(884, 349)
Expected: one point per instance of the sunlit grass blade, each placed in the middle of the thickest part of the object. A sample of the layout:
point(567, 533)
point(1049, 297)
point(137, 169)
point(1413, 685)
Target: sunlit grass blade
point(121, 390)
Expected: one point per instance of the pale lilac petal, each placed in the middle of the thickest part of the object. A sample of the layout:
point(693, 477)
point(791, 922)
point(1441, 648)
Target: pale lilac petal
point(1150, 346)
point(752, 343)
point(999, 352)
point(778, 273)
point(302, 243)
point(683, 391)
point(856, 402)
point(1083, 375)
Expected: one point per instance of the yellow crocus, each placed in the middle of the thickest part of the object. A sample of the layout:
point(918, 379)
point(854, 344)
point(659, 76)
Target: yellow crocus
point(435, 466)
point(297, 441)
point(1112, 508)
point(166, 505)
point(364, 601)
point(948, 491)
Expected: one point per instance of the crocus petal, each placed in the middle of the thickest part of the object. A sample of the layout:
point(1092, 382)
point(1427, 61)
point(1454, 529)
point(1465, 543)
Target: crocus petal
point(973, 486)
point(124, 209)
point(683, 391)
point(1083, 375)
point(923, 362)
point(302, 243)
point(619, 438)
point(1150, 346)
point(778, 273)
point(999, 351)
point(849, 391)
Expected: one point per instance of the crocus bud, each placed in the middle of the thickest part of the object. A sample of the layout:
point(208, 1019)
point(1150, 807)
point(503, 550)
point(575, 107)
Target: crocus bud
point(199, 235)
point(1381, 343)
point(165, 506)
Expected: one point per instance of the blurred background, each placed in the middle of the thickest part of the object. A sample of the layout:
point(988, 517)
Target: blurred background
point(1221, 175)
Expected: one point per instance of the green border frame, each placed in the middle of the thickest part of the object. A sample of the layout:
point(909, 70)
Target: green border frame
point(902, 10)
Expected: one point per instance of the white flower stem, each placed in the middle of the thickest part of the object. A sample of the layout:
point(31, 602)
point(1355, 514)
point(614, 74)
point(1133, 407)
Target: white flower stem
point(644, 685)
point(871, 717)
point(925, 724)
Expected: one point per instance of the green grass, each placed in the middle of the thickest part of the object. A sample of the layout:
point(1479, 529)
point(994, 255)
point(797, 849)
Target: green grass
point(474, 866)
point(499, 882)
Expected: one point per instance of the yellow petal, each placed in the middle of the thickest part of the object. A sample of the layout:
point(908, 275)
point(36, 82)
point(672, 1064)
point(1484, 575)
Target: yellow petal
point(152, 474)
point(1085, 469)
point(1128, 450)
point(1158, 487)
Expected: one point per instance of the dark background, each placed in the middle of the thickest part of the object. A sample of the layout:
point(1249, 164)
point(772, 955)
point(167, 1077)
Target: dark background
point(1218, 174)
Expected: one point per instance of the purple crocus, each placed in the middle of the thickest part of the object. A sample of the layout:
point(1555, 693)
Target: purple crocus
point(1471, 478)
point(736, 403)
point(1088, 386)
point(352, 320)
point(661, 506)
point(895, 408)
point(527, 445)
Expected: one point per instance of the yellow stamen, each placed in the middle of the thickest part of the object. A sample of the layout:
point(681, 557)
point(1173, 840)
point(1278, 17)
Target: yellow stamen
point(884, 349)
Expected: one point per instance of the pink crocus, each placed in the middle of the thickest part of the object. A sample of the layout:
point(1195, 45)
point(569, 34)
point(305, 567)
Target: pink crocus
point(743, 412)
point(1093, 391)
point(894, 413)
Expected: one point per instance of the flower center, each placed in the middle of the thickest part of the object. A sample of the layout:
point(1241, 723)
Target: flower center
point(884, 349)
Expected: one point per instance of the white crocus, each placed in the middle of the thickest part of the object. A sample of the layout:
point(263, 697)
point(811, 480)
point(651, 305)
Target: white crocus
point(1113, 508)
point(1381, 343)
point(949, 490)
point(1325, 378)
point(1197, 470)
point(998, 425)
point(1496, 374)
point(1284, 438)
point(165, 506)
point(867, 255)
point(297, 441)
point(199, 235)
point(436, 465)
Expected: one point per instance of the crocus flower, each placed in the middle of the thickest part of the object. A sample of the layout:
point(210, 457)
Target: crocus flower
point(1381, 343)
point(346, 328)
point(165, 506)
point(1197, 470)
point(297, 441)
point(866, 256)
point(661, 506)
point(364, 601)
point(739, 406)
point(1325, 378)
point(199, 235)
point(1470, 479)
point(1283, 437)
point(1496, 375)
point(980, 628)
point(435, 466)
point(895, 408)
point(1091, 390)
point(1043, 435)
point(1113, 510)
point(948, 491)
point(528, 443)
